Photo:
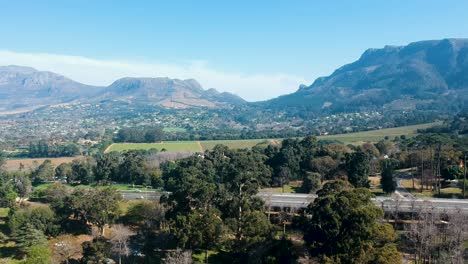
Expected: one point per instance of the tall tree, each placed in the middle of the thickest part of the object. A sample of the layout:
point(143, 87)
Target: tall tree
point(387, 181)
point(357, 167)
point(345, 226)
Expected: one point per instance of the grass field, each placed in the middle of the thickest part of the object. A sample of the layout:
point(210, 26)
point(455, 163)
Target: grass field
point(448, 192)
point(195, 146)
point(14, 164)
point(376, 135)
point(118, 186)
point(169, 146)
point(234, 144)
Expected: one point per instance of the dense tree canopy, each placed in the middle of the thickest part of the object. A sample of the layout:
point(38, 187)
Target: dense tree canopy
point(344, 226)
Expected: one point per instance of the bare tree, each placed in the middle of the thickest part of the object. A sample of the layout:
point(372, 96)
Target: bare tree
point(66, 247)
point(178, 257)
point(119, 238)
point(438, 237)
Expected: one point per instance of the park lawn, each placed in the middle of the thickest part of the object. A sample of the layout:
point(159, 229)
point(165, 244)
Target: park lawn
point(200, 146)
point(168, 146)
point(377, 135)
point(234, 144)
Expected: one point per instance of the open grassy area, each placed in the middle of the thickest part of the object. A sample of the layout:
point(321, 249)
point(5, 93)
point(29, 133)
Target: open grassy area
point(375, 186)
point(377, 135)
point(196, 146)
point(121, 187)
point(233, 144)
point(169, 146)
point(449, 192)
point(14, 164)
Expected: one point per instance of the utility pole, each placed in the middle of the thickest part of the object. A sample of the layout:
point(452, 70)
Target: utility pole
point(464, 175)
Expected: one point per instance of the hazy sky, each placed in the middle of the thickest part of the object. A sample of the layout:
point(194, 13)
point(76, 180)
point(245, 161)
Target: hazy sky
point(256, 49)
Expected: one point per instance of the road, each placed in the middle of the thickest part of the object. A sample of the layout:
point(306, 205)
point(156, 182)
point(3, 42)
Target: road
point(298, 201)
point(141, 195)
point(387, 203)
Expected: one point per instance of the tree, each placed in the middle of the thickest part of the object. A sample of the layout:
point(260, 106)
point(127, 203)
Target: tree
point(387, 181)
point(133, 169)
point(64, 171)
point(82, 171)
point(178, 257)
point(38, 217)
point(357, 167)
point(7, 193)
point(57, 196)
point(345, 226)
point(311, 182)
point(38, 254)
point(119, 239)
point(23, 186)
point(200, 229)
point(223, 180)
point(107, 168)
point(325, 166)
point(96, 251)
point(148, 214)
point(28, 236)
point(45, 172)
point(99, 206)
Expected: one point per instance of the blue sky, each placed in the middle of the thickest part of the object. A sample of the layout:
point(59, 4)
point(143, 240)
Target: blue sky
point(257, 49)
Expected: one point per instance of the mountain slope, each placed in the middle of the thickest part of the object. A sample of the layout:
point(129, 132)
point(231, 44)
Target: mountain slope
point(24, 87)
point(166, 92)
point(426, 75)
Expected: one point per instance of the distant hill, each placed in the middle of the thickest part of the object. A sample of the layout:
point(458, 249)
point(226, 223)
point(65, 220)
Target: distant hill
point(27, 88)
point(422, 75)
point(166, 92)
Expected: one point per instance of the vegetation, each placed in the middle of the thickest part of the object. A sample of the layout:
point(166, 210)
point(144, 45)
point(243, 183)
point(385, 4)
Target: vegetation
point(211, 209)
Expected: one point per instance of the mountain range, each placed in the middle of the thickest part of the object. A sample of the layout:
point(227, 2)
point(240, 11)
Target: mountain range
point(27, 88)
point(426, 74)
point(422, 75)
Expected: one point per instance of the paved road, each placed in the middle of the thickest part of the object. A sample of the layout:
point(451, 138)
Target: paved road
point(296, 200)
point(400, 190)
point(387, 203)
point(141, 195)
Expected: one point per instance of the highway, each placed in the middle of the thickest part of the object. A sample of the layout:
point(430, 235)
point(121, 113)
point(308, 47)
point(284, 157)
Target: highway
point(141, 195)
point(387, 203)
point(300, 201)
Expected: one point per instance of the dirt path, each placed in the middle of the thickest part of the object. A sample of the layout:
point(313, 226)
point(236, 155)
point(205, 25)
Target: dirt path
point(108, 148)
point(200, 146)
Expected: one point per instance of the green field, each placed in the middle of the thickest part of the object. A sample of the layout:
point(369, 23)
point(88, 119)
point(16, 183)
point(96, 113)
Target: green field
point(169, 146)
point(196, 146)
point(377, 135)
point(233, 144)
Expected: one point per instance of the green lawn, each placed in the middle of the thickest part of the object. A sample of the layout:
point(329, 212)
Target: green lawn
point(196, 146)
point(121, 187)
point(233, 144)
point(169, 146)
point(377, 135)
